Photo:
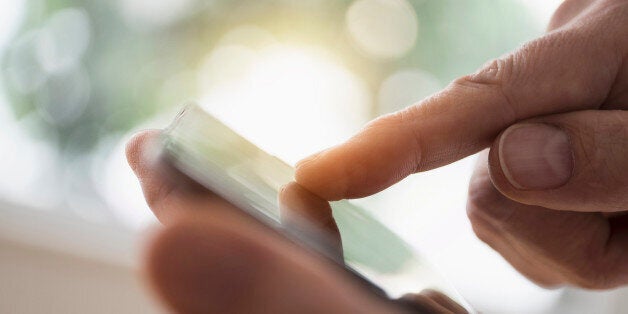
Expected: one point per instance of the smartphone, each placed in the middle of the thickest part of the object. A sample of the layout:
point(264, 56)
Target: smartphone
point(210, 153)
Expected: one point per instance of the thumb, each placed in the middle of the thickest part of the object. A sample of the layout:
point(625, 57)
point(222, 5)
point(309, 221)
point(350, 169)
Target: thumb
point(575, 161)
point(221, 263)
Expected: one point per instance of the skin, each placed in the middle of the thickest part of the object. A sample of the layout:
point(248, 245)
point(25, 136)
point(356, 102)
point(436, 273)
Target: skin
point(209, 258)
point(574, 78)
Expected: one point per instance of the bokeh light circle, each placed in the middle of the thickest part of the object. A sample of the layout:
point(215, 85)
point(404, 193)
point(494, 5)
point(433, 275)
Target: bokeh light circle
point(382, 28)
point(24, 72)
point(63, 40)
point(150, 14)
point(65, 96)
point(283, 89)
point(404, 88)
point(11, 16)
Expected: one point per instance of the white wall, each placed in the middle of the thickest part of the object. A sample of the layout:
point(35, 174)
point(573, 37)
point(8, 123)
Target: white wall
point(51, 263)
point(42, 281)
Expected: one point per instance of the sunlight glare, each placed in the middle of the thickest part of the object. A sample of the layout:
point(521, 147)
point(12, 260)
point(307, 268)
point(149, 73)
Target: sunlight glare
point(290, 101)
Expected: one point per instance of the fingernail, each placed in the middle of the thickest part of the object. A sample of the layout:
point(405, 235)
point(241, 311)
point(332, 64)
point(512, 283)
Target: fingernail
point(536, 156)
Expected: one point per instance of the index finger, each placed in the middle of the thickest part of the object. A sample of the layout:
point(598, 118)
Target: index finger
point(566, 70)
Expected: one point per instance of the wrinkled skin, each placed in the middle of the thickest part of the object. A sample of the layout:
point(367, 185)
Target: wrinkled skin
point(563, 231)
point(562, 225)
point(211, 258)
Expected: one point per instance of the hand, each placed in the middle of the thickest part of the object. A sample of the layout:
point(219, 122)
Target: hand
point(553, 197)
point(211, 258)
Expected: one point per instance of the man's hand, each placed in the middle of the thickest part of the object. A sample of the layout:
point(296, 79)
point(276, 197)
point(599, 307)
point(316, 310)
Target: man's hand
point(554, 197)
point(211, 258)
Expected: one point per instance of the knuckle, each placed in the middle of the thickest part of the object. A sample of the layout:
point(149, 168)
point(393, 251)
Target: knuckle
point(564, 84)
point(494, 75)
point(498, 79)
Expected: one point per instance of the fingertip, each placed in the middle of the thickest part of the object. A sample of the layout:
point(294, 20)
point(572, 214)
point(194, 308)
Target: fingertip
point(322, 177)
point(422, 304)
point(444, 300)
point(382, 154)
point(303, 210)
point(136, 146)
point(294, 197)
point(306, 160)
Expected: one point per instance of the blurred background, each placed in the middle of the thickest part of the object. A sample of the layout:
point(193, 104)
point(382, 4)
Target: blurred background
point(295, 76)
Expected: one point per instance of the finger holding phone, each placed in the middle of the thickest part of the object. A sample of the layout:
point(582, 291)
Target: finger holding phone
point(212, 257)
point(550, 195)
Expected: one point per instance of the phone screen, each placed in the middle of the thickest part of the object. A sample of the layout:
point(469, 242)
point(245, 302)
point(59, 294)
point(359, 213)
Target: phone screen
point(218, 158)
